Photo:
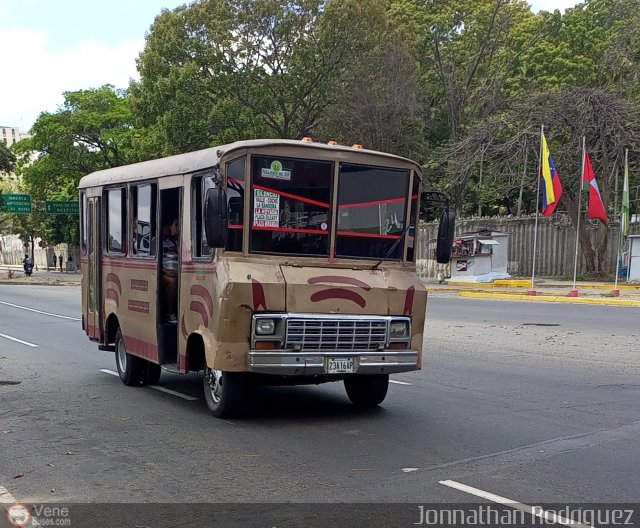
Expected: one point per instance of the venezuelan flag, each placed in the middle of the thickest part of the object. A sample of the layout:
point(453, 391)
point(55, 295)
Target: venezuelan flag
point(552, 187)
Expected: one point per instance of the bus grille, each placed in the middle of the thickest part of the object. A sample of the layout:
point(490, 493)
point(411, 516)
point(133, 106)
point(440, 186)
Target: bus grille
point(336, 334)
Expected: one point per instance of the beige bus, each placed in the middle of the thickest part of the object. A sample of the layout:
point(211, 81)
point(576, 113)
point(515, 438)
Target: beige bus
point(258, 262)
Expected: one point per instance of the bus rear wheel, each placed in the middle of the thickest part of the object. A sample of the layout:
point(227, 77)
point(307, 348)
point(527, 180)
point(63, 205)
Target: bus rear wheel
point(130, 368)
point(151, 373)
point(367, 390)
point(224, 392)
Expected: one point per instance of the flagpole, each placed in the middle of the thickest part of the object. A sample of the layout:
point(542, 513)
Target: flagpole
point(615, 286)
point(535, 230)
point(575, 261)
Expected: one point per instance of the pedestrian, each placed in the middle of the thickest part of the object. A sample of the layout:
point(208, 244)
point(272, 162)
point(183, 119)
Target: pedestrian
point(60, 261)
point(55, 261)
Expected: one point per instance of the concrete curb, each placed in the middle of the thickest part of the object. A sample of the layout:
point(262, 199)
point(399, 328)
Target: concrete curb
point(548, 298)
point(586, 286)
point(495, 284)
point(31, 283)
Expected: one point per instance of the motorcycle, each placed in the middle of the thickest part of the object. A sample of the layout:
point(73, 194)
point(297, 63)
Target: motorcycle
point(28, 267)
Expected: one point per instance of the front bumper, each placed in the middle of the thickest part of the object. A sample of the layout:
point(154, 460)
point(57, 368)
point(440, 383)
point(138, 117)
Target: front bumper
point(288, 363)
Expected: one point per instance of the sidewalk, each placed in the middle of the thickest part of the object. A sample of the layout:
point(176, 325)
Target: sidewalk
point(547, 290)
point(42, 276)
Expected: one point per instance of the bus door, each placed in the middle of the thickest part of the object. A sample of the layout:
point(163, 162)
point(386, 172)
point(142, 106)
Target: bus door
point(169, 264)
point(93, 293)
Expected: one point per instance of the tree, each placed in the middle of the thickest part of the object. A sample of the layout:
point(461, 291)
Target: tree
point(92, 130)
point(219, 70)
point(7, 159)
point(379, 102)
point(609, 122)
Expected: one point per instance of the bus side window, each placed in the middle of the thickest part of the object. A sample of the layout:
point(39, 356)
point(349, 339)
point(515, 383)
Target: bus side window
point(235, 203)
point(143, 223)
point(83, 222)
point(116, 211)
point(199, 247)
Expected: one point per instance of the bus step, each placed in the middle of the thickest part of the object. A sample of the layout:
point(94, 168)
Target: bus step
point(171, 367)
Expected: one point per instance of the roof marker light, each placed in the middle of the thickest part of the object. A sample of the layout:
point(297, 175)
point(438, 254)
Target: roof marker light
point(357, 146)
point(307, 139)
point(332, 143)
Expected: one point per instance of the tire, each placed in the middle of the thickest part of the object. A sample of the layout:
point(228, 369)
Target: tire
point(367, 390)
point(151, 373)
point(130, 368)
point(225, 392)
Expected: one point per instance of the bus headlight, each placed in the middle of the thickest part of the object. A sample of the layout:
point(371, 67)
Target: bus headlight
point(265, 326)
point(399, 329)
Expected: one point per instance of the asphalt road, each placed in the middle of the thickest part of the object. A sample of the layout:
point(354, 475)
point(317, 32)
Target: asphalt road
point(534, 402)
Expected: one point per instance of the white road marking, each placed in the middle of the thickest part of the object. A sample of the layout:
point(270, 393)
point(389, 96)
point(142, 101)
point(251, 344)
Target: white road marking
point(41, 312)
point(6, 497)
point(15, 512)
point(157, 387)
point(174, 393)
point(537, 511)
point(32, 345)
point(400, 382)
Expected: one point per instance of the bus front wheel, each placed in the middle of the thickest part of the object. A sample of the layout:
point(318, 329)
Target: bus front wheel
point(224, 392)
point(130, 368)
point(367, 390)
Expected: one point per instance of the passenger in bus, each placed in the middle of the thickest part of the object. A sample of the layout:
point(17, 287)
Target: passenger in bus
point(135, 235)
point(171, 235)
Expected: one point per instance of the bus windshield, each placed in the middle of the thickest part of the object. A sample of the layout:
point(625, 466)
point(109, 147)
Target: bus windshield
point(291, 209)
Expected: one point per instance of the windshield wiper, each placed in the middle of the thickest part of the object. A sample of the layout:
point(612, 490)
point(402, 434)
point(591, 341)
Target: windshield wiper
point(393, 246)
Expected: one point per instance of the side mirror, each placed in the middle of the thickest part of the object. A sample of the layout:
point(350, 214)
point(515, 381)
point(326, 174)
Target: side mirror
point(446, 231)
point(215, 217)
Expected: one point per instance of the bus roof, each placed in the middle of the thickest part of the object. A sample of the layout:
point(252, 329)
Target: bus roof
point(210, 157)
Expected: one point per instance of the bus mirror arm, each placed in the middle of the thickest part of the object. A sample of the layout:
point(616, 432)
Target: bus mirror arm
point(446, 232)
point(215, 215)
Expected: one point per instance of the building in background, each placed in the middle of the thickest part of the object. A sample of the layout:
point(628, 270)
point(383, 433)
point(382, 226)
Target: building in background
point(11, 135)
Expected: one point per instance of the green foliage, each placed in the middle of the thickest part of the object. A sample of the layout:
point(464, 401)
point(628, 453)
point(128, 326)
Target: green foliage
point(218, 71)
point(91, 131)
point(7, 159)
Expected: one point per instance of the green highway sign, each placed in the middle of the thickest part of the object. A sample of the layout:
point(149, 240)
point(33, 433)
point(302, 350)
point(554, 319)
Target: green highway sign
point(52, 207)
point(16, 203)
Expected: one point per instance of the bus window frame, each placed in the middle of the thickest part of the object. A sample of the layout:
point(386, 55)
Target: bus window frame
point(130, 253)
point(249, 210)
point(105, 222)
point(224, 169)
point(83, 222)
point(214, 174)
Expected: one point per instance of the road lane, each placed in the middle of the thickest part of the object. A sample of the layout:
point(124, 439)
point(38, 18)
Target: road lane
point(496, 407)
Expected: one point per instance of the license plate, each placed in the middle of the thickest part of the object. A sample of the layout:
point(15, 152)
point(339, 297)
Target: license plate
point(340, 366)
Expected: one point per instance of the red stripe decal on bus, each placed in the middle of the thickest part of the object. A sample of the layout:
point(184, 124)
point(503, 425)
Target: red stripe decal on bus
point(408, 301)
point(335, 279)
point(370, 204)
point(258, 295)
point(198, 307)
point(183, 327)
point(139, 285)
point(367, 235)
point(138, 306)
point(141, 348)
point(201, 291)
point(114, 296)
point(291, 230)
point(113, 278)
point(293, 196)
point(339, 293)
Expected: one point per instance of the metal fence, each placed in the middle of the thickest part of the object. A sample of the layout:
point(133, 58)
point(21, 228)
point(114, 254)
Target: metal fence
point(555, 251)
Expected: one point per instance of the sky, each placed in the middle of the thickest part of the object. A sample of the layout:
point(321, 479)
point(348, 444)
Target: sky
point(48, 47)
